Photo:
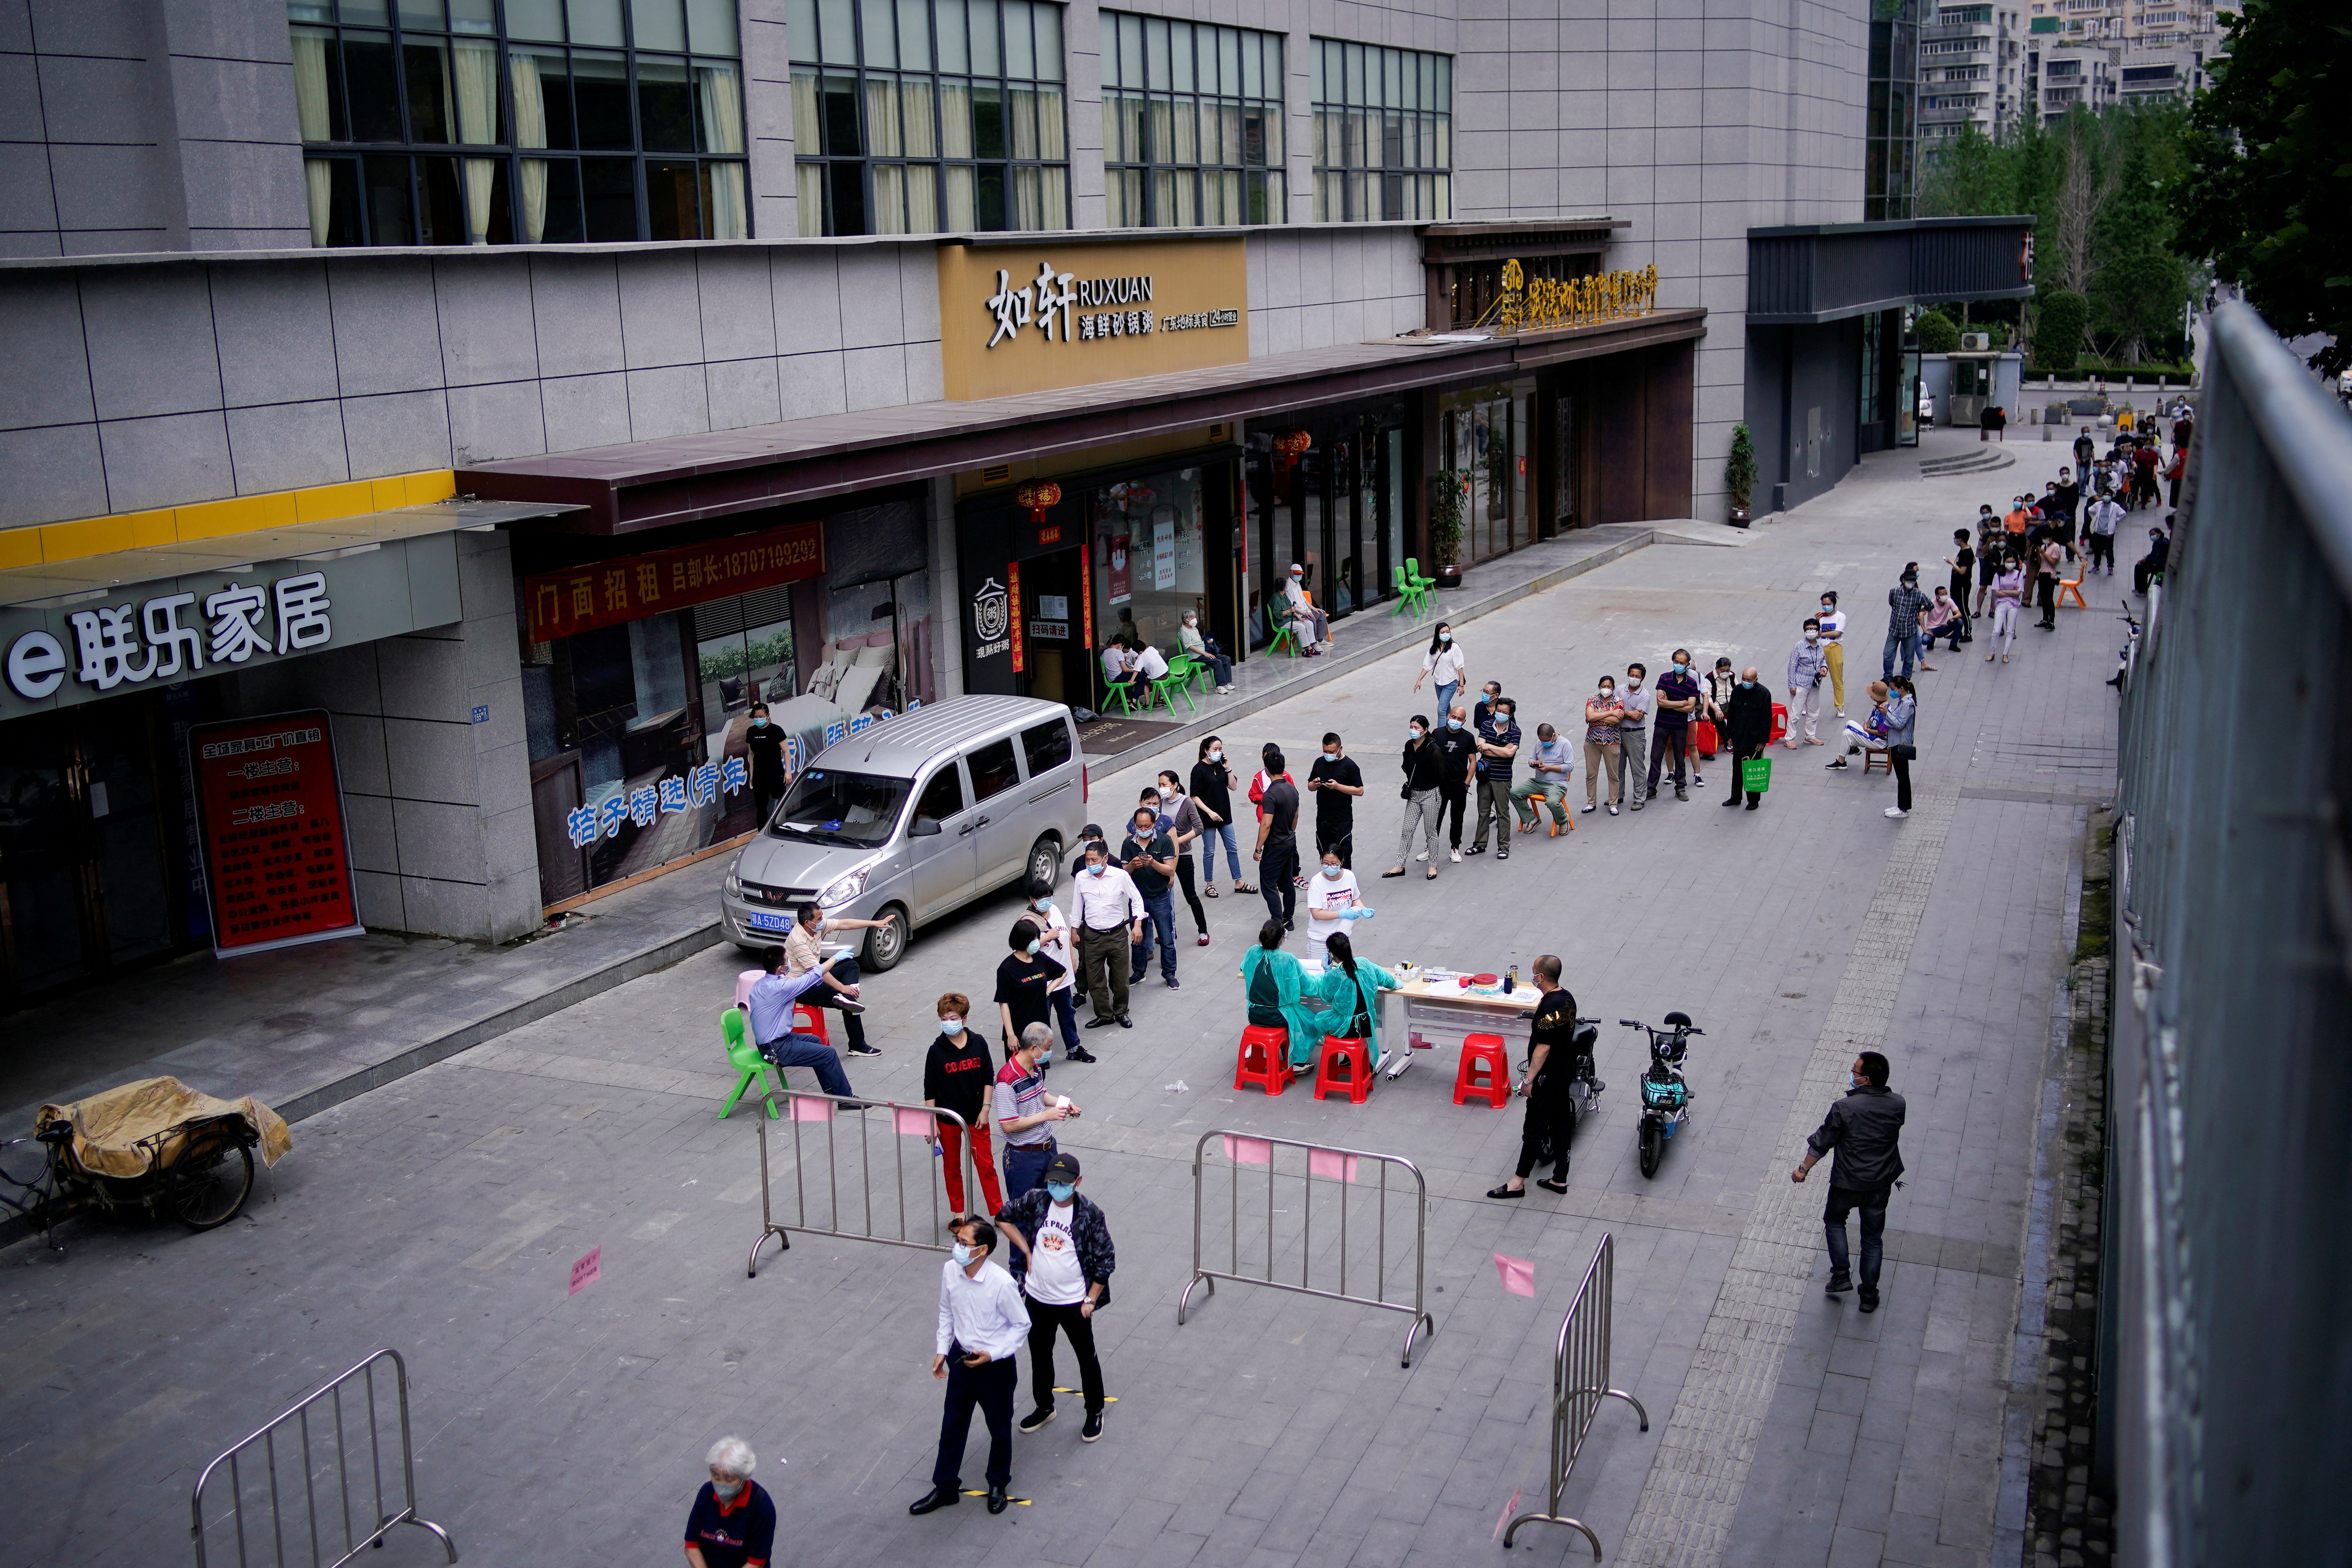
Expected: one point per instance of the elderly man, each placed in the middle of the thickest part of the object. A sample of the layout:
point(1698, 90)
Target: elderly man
point(1750, 714)
point(1865, 1130)
point(770, 1007)
point(733, 1522)
point(1110, 922)
point(982, 1326)
point(1308, 625)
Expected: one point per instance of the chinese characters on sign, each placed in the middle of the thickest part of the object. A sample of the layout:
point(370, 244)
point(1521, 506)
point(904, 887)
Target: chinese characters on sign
point(115, 644)
point(608, 593)
point(1052, 302)
point(1533, 304)
point(275, 867)
point(692, 790)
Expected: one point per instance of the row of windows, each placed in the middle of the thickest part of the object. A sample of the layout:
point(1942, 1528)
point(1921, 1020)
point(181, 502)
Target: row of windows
point(1193, 121)
point(1383, 134)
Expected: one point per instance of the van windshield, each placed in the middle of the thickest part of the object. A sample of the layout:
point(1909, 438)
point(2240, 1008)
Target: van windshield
point(857, 809)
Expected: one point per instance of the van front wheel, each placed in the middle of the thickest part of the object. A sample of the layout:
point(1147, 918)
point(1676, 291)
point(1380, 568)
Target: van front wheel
point(1045, 861)
point(886, 944)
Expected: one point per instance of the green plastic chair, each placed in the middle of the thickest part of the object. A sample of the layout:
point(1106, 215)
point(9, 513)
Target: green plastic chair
point(1282, 641)
point(1420, 584)
point(1176, 682)
point(1119, 694)
point(744, 1054)
point(1406, 597)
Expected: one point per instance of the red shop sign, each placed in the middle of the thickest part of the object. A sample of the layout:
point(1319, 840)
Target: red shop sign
point(270, 810)
point(560, 604)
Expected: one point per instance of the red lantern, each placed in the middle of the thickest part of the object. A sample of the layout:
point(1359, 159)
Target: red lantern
point(1038, 497)
point(1288, 445)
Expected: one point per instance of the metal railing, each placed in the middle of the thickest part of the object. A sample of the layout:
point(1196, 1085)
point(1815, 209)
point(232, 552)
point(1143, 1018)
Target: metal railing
point(294, 1458)
point(1342, 1175)
point(804, 1109)
point(1579, 1382)
point(2222, 1239)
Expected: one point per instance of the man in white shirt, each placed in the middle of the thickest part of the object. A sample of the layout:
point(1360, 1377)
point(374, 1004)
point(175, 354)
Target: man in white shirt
point(982, 1326)
point(1309, 624)
point(1151, 664)
point(1110, 922)
point(1332, 898)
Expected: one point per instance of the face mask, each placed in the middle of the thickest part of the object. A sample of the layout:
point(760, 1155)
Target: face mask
point(1330, 756)
point(1041, 905)
point(1033, 948)
point(1681, 668)
point(726, 1493)
point(758, 723)
point(1095, 870)
point(1332, 872)
point(961, 1254)
point(1166, 792)
point(1060, 1192)
point(1632, 684)
point(1216, 754)
point(1445, 636)
point(1813, 637)
point(955, 1026)
point(1607, 693)
point(1453, 724)
point(1745, 684)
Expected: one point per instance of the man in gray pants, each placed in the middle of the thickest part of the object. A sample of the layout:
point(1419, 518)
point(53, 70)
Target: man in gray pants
point(1634, 730)
point(1423, 772)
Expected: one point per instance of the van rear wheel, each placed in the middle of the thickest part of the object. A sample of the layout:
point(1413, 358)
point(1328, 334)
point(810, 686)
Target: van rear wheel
point(1045, 861)
point(886, 944)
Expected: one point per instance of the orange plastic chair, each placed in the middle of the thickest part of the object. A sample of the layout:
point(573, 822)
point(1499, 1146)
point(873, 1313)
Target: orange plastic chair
point(2071, 585)
point(1264, 1059)
point(1342, 1067)
point(1493, 1086)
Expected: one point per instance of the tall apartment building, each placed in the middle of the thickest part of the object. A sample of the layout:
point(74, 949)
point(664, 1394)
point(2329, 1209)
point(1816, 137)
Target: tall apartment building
point(2098, 52)
point(1971, 71)
point(530, 386)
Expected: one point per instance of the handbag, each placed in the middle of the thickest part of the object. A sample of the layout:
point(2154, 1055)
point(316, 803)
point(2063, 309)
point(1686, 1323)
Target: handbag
point(1756, 775)
point(1703, 736)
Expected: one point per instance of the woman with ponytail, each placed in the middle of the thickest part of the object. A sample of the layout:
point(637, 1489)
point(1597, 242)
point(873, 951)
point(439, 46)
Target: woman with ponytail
point(1351, 995)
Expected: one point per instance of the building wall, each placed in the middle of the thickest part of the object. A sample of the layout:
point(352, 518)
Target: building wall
point(132, 126)
point(1794, 371)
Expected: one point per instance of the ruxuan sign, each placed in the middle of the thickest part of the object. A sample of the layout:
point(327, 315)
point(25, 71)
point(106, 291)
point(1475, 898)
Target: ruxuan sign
point(1027, 317)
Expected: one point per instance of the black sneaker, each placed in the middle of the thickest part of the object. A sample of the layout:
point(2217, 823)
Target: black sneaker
point(1037, 1418)
point(1840, 1283)
point(1101, 1022)
point(865, 1050)
point(1092, 1430)
point(1079, 1054)
point(1870, 1300)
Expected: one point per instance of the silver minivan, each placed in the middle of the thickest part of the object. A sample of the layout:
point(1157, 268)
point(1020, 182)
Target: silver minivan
point(914, 818)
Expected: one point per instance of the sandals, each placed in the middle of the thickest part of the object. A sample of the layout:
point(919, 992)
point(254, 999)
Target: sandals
point(1432, 875)
point(1397, 872)
point(1244, 888)
point(1210, 891)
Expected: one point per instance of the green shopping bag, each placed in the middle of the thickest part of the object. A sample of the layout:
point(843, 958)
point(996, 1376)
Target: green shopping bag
point(1756, 775)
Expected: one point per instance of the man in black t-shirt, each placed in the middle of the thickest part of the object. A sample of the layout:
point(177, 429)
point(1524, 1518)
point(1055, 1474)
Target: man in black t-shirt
point(1277, 851)
point(1149, 856)
point(1552, 1066)
point(1335, 781)
point(1458, 749)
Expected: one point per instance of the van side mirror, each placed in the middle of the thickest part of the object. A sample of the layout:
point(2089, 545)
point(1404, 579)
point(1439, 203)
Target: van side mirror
point(924, 827)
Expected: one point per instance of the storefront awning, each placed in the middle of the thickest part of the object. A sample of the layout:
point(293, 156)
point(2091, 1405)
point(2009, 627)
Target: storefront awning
point(683, 478)
point(48, 584)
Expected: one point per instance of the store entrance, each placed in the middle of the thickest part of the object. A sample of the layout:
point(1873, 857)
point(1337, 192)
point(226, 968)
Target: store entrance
point(1054, 654)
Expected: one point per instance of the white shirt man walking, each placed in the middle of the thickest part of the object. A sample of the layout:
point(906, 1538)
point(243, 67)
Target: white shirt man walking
point(982, 1326)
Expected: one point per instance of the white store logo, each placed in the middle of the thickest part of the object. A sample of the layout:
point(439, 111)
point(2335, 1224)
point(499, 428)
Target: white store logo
point(1065, 305)
point(114, 646)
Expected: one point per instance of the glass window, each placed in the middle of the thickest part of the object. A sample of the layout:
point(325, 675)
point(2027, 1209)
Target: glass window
point(854, 809)
point(1890, 174)
point(1046, 746)
point(919, 116)
point(1383, 134)
point(992, 771)
point(426, 123)
point(942, 797)
point(1193, 127)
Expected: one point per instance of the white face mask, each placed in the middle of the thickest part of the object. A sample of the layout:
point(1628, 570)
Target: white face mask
point(1813, 637)
point(955, 1026)
point(1332, 872)
point(961, 1254)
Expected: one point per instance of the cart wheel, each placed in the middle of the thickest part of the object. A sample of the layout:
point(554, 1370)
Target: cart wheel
point(209, 1184)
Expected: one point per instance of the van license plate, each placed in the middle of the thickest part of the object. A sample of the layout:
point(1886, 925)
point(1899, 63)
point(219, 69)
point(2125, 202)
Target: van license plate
point(762, 919)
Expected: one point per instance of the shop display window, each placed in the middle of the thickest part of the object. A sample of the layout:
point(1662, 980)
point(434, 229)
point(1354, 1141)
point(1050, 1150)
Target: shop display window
point(1149, 556)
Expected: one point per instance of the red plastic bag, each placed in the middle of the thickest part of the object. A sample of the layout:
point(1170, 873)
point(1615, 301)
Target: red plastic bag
point(1703, 736)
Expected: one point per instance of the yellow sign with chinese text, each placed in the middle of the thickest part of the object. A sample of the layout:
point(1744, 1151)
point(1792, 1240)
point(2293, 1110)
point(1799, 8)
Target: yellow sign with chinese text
point(1539, 305)
point(1031, 317)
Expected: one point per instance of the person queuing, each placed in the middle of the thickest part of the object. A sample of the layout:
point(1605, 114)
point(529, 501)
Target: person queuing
point(2049, 561)
point(1634, 733)
point(959, 1077)
point(982, 1325)
point(1750, 716)
point(1424, 775)
point(1992, 540)
point(1270, 768)
point(1832, 620)
point(1458, 749)
point(1351, 989)
point(1963, 562)
point(1333, 898)
point(1149, 856)
point(765, 743)
point(837, 986)
point(1061, 1259)
point(1214, 783)
point(1111, 924)
point(1906, 607)
point(1808, 669)
point(1723, 681)
point(1866, 1130)
point(1551, 1069)
point(1205, 650)
point(1677, 701)
point(1335, 781)
point(1276, 850)
point(1274, 986)
point(1025, 978)
point(1442, 666)
point(1869, 735)
point(2144, 465)
point(1181, 819)
point(1489, 695)
point(1944, 620)
point(1548, 767)
point(1024, 1113)
point(2007, 596)
point(1499, 746)
point(1604, 745)
point(2099, 532)
point(2173, 473)
point(1056, 942)
point(769, 1017)
point(734, 1521)
point(1902, 713)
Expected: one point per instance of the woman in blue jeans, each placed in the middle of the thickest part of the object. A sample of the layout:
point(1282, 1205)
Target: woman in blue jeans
point(1214, 783)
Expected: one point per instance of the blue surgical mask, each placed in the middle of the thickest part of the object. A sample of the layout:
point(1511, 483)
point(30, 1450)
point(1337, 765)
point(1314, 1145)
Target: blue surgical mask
point(1453, 724)
point(1745, 684)
point(961, 1254)
point(1332, 872)
point(1041, 905)
point(1095, 870)
point(1034, 947)
point(1445, 636)
point(955, 1026)
point(1331, 756)
point(1681, 667)
point(1216, 753)
point(1060, 1192)
point(758, 723)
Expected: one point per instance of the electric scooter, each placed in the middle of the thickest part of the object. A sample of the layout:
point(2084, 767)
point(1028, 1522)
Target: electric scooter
point(1665, 1096)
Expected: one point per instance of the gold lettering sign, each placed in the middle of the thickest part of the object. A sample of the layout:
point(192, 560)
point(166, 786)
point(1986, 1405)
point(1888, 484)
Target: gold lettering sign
point(1542, 303)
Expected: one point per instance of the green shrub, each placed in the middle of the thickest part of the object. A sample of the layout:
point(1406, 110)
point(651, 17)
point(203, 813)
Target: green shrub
point(2058, 325)
point(1936, 333)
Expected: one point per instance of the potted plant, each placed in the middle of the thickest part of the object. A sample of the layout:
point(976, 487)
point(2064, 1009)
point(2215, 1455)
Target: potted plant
point(1739, 474)
point(1447, 490)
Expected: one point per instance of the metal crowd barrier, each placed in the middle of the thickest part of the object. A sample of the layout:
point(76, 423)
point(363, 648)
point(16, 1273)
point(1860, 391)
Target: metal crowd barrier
point(804, 1110)
point(309, 1469)
point(1341, 1170)
point(1579, 1382)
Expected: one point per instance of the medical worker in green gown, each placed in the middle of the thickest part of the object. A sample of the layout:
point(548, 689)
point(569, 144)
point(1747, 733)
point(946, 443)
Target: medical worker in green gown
point(1351, 988)
point(1277, 987)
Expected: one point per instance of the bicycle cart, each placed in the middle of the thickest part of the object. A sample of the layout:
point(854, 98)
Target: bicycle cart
point(155, 1147)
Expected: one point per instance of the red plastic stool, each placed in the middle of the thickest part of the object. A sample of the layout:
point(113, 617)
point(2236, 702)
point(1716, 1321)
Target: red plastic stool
point(1494, 1086)
point(1264, 1059)
point(1342, 1067)
point(1779, 724)
point(808, 1020)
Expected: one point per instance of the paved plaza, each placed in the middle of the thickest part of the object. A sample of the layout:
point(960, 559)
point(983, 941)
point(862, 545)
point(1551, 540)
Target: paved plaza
point(441, 1213)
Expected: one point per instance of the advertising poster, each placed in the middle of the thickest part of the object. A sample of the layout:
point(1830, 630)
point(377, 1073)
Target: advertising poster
point(270, 810)
point(1122, 575)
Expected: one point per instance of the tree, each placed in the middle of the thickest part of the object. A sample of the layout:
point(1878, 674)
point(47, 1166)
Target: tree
point(2267, 193)
point(1739, 469)
point(2059, 319)
point(1936, 333)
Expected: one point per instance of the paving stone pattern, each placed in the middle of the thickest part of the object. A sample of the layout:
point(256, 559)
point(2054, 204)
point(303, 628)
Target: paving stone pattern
point(442, 1212)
